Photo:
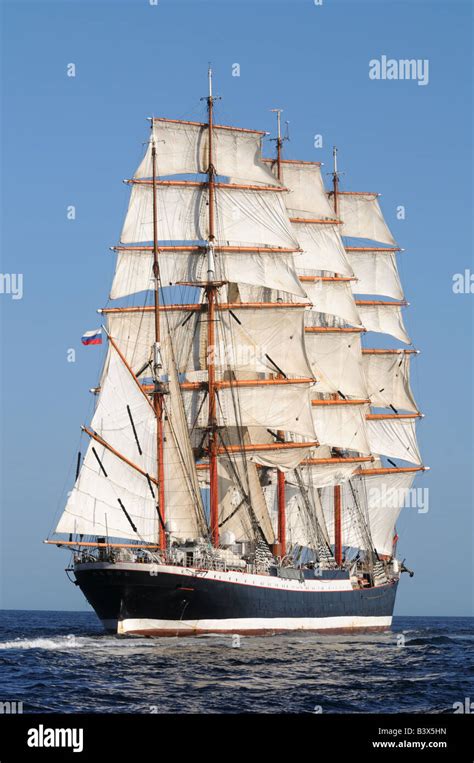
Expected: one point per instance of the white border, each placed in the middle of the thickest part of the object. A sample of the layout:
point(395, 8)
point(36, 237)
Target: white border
point(250, 624)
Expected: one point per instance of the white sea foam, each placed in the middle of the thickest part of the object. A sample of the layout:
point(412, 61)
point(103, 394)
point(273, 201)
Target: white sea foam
point(58, 642)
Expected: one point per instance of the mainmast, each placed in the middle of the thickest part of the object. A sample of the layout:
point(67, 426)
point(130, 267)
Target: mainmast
point(211, 294)
point(158, 365)
point(281, 492)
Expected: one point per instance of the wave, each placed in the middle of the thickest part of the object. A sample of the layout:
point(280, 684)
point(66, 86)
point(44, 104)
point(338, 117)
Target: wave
point(430, 641)
point(96, 642)
point(59, 642)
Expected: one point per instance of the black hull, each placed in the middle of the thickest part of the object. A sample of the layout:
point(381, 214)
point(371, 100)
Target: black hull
point(187, 603)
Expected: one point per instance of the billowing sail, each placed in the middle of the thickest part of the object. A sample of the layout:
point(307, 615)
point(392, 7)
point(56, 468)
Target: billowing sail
point(277, 407)
point(375, 272)
point(322, 249)
point(323, 475)
point(336, 362)
point(386, 495)
point(333, 298)
point(111, 497)
point(388, 380)
point(269, 340)
point(184, 512)
point(182, 149)
point(242, 507)
point(299, 528)
point(134, 333)
point(395, 438)
point(342, 425)
point(362, 217)
point(243, 217)
point(134, 270)
point(306, 196)
point(250, 340)
point(384, 318)
point(376, 500)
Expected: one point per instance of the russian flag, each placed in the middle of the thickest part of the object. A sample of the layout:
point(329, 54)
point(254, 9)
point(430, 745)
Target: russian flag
point(92, 337)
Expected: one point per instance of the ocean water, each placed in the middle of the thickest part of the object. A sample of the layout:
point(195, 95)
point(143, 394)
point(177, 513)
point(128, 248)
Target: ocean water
point(63, 662)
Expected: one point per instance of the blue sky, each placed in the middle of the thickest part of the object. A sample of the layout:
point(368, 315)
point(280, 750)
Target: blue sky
point(71, 141)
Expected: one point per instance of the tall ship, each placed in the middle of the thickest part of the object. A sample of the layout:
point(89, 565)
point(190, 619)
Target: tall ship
point(249, 454)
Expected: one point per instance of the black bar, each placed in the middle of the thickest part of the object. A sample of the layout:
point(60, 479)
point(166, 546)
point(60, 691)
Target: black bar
point(127, 515)
point(150, 485)
point(134, 430)
point(78, 464)
point(99, 461)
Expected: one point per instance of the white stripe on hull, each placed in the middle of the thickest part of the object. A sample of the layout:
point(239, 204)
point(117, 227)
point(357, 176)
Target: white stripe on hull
point(251, 625)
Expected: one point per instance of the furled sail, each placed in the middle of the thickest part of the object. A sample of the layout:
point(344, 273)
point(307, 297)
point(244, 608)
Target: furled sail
point(182, 149)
